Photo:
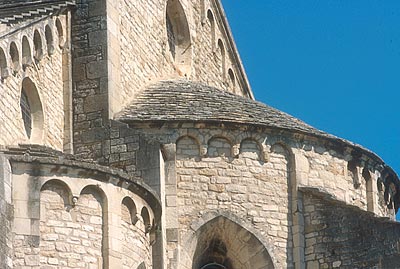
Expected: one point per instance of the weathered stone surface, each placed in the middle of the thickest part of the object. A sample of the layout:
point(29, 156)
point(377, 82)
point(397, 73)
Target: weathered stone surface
point(174, 164)
point(344, 237)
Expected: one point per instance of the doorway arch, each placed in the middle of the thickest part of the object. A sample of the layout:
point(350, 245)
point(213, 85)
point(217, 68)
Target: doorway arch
point(222, 243)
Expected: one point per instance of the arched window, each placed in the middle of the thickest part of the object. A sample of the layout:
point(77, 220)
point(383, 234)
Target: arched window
point(128, 211)
point(31, 111)
point(366, 174)
point(352, 170)
point(26, 113)
point(26, 52)
point(146, 219)
point(37, 42)
point(60, 32)
point(211, 20)
point(232, 80)
point(14, 57)
point(3, 65)
point(178, 37)
point(49, 40)
point(221, 52)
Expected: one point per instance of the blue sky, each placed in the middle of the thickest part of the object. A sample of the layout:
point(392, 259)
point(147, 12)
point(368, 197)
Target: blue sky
point(335, 64)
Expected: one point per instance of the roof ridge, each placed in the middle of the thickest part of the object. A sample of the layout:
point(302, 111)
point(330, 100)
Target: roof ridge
point(10, 13)
point(27, 3)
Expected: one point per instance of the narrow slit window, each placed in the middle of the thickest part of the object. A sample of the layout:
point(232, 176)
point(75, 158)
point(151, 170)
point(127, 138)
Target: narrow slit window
point(26, 113)
point(171, 37)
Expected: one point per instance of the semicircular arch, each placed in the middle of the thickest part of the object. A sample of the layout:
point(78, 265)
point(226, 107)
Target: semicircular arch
point(220, 146)
point(58, 185)
point(187, 146)
point(179, 39)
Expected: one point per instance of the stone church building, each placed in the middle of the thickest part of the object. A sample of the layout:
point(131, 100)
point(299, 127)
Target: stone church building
point(130, 138)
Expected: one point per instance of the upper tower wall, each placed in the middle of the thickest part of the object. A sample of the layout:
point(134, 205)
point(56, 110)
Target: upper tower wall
point(121, 46)
point(176, 38)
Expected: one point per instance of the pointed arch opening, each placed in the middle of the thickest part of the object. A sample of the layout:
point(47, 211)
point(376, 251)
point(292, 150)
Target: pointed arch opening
point(224, 244)
point(179, 40)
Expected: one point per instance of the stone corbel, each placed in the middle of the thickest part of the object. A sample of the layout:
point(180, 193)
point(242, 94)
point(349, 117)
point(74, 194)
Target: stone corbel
point(236, 150)
point(168, 151)
point(265, 153)
point(74, 200)
point(203, 150)
point(357, 177)
point(354, 167)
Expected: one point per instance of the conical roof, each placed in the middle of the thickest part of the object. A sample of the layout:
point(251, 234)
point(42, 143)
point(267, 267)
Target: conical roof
point(188, 101)
point(183, 100)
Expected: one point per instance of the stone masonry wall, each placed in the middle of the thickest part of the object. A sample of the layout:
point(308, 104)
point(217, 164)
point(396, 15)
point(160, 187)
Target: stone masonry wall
point(332, 172)
point(70, 237)
point(249, 174)
point(346, 237)
point(90, 77)
point(255, 191)
point(5, 214)
point(46, 72)
point(121, 46)
point(134, 250)
point(64, 218)
point(328, 169)
point(145, 55)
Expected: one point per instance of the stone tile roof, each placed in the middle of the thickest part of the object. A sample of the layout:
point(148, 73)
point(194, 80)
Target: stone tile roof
point(12, 12)
point(191, 101)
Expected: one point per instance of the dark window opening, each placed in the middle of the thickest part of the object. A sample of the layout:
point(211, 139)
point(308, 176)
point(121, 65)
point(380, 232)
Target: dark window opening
point(171, 37)
point(26, 113)
point(215, 256)
point(213, 266)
